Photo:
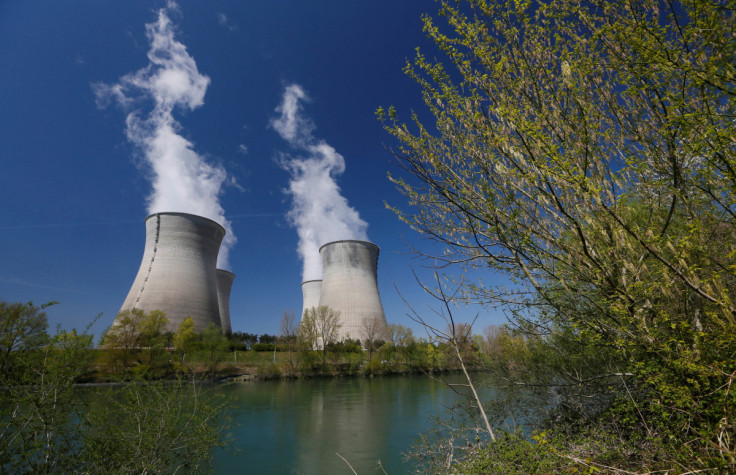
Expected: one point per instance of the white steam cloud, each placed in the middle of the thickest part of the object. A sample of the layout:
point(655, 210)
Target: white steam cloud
point(182, 179)
point(319, 212)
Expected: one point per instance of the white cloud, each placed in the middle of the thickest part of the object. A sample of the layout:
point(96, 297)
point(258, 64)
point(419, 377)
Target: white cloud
point(224, 21)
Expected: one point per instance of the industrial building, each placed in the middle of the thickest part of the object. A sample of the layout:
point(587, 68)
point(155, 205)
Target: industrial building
point(178, 273)
point(310, 294)
point(224, 285)
point(349, 285)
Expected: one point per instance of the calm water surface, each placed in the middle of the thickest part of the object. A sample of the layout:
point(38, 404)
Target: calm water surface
point(285, 427)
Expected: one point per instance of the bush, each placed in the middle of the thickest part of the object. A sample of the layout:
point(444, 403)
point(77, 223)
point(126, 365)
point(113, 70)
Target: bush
point(263, 347)
point(269, 371)
point(374, 366)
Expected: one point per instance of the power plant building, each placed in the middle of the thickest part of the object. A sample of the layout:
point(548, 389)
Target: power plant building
point(311, 290)
point(178, 272)
point(224, 284)
point(350, 285)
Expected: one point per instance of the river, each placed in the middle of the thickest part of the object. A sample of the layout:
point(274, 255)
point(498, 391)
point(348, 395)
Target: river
point(299, 427)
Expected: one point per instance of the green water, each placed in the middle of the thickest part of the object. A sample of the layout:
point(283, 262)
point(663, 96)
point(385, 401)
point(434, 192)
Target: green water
point(285, 427)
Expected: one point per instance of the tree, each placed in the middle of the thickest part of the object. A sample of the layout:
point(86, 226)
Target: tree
point(289, 325)
point(289, 336)
point(374, 330)
point(151, 427)
point(48, 424)
point(267, 339)
point(22, 328)
point(185, 337)
point(152, 336)
point(214, 344)
point(245, 340)
point(134, 333)
point(586, 150)
point(37, 399)
point(320, 326)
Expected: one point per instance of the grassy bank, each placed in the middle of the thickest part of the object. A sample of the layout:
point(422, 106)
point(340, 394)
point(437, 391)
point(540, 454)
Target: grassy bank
point(250, 365)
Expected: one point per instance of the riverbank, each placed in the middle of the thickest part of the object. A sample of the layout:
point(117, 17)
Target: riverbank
point(245, 366)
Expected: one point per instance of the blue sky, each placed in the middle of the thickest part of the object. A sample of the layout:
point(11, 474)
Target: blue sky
point(75, 189)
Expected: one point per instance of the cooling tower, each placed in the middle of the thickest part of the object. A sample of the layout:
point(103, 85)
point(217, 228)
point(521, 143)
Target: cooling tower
point(224, 284)
point(178, 271)
point(349, 285)
point(310, 294)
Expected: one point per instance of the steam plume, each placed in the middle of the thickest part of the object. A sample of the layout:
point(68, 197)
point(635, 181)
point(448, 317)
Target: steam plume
point(319, 212)
point(182, 179)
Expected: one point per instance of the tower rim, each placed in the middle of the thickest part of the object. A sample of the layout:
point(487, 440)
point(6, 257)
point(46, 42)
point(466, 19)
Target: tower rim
point(178, 213)
point(349, 240)
point(225, 271)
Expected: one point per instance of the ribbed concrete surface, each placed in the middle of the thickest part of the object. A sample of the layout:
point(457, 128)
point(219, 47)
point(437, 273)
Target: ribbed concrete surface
point(349, 285)
point(310, 294)
point(178, 270)
point(224, 285)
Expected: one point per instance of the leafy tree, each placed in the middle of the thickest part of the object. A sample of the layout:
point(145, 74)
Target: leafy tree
point(319, 327)
point(153, 337)
point(267, 339)
point(38, 403)
point(214, 344)
point(185, 337)
point(135, 333)
point(245, 340)
point(50, 425)
point(22, 329)
point(123, 337)
point(586, 150)
point(152, 427)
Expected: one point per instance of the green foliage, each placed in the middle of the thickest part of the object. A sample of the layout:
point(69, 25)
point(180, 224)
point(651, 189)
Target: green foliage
point(586, 150)
point(38, 400)
point(22, 329)
point(269, 371)
point(214, 345)
point(319, 327)
point(244, 341)
point(345, 346)
point(185, 337)
point(264, 347)
point(513, 453)
point(151, 427)
point(50, 425)
point(374, 366)
point(267, 339)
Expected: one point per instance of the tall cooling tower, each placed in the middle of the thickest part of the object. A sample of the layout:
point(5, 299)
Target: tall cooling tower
point(178, 271)
point(349, 285)
point(310, 294)
point(224, 284)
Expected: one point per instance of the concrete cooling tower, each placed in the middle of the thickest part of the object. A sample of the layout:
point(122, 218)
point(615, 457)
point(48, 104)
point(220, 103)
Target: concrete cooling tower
point(349, 285)
point(310, 294)
point(224, 284)
point(178, 272)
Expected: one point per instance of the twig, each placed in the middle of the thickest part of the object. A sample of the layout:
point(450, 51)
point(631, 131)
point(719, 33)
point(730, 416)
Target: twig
point(351, 467)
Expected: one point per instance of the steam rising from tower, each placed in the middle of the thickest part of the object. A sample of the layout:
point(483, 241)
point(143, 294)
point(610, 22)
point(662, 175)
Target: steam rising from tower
point(319, 212)
point(182, 179)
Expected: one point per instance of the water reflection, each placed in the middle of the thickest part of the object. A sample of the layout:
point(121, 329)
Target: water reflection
point(300, 426)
